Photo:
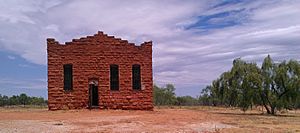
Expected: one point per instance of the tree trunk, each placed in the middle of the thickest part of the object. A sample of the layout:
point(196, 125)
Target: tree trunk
point(268, 110)
point(264, 103)
point(273, 112)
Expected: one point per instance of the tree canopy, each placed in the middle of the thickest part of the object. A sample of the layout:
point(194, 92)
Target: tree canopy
point(275, 86)
point(21, 99)
point(166, 96)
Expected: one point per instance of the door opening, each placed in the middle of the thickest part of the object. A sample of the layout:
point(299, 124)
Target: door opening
point(93, 95)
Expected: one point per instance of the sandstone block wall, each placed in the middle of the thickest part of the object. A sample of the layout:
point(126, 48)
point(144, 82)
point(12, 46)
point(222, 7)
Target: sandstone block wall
point(91, 58)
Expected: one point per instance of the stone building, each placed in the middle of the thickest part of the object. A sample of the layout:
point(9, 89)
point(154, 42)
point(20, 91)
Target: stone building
point(99, 71)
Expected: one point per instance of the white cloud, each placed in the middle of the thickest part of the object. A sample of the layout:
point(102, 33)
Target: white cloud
point(23, 65)
point(52, 27)
point(181, 56)
point(9, 83)
point(11, 57)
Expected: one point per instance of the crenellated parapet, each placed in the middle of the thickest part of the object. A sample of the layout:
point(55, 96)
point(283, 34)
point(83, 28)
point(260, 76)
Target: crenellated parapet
point(100, 37)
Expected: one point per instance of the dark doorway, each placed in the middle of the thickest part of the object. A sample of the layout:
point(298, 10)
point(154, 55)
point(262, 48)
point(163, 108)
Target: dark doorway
point(93, 95)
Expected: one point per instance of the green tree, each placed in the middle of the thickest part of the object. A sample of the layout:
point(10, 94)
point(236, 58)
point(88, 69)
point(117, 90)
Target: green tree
point(37, 101)
point(275, 86)
point(280, 85)
point(24, 99)
point(5, 100)
point(14, 100)
point(206, 98)
point(1, 101)
point(164, 95)
point(186, 101)
point(251, 87)
point(158, 95)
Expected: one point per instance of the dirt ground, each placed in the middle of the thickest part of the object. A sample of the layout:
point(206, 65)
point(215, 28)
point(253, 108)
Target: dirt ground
point(175, 119)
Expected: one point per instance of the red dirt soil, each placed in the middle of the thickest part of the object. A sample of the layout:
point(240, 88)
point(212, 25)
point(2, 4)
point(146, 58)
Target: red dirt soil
point(159, 120)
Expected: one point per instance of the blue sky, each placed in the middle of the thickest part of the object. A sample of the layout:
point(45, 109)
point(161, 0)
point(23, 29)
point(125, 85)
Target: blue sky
point(194, 41)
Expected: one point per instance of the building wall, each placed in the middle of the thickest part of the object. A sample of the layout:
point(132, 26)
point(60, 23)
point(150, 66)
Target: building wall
point(91, 58)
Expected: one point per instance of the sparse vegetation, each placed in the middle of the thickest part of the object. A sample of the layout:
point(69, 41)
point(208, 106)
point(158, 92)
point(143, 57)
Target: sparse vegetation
point(166, 96)
point(274, 86)
point(163, 119)
point(21, 99)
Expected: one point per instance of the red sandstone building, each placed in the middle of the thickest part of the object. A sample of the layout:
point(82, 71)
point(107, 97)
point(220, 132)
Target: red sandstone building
point(99, 71)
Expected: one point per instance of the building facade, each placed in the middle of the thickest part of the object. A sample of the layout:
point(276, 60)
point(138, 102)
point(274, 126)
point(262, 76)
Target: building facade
point(99, 71)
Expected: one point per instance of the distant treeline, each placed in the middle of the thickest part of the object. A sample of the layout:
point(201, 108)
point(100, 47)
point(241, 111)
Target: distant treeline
point(21, 99)
point(166, 96)
point(274, 86)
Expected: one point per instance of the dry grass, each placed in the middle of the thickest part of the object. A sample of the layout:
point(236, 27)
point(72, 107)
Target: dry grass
point(162, 119)
point(250, 121)
point(257, 121)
